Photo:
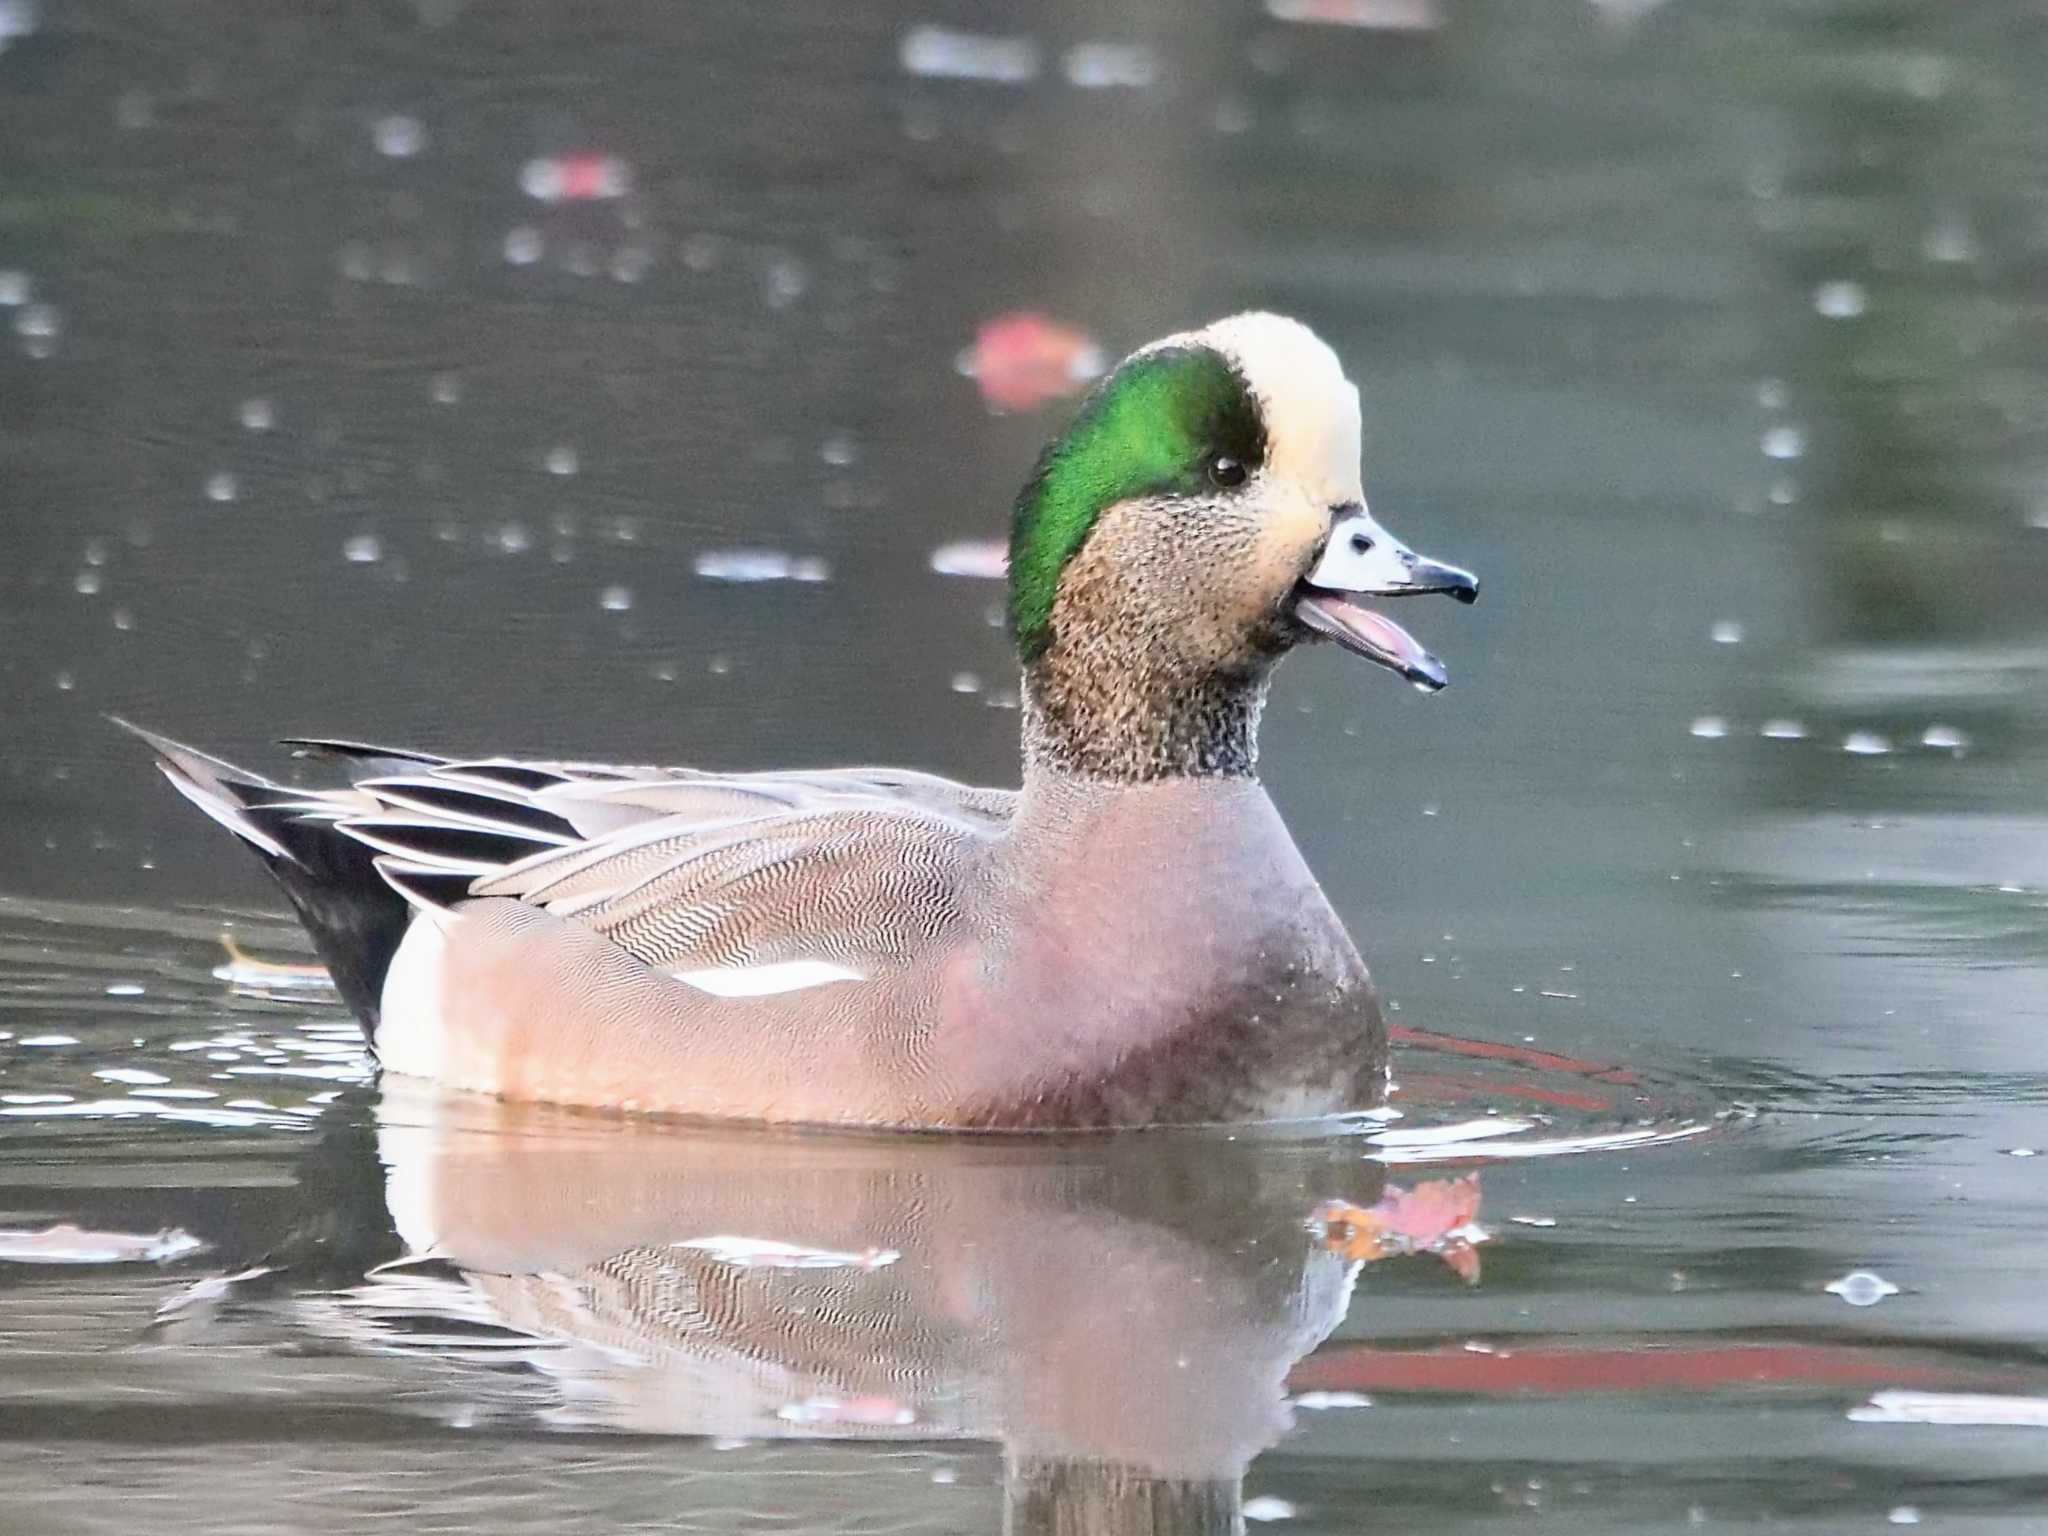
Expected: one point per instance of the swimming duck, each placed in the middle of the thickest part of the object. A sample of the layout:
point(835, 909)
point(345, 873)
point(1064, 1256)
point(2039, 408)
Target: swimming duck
point(1131, 938)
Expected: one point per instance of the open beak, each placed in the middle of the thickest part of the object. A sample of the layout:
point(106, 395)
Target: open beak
point(1361, 559)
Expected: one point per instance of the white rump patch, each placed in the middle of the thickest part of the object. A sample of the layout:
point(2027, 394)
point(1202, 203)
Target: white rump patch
point(411, 1035)
point(766, 980)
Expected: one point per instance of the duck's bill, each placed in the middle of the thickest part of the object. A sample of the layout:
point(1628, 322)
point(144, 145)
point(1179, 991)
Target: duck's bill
point(1371, 635)
point(1361, 559)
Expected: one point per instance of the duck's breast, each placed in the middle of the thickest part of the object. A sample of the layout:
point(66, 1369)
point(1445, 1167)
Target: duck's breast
point(1160, 953)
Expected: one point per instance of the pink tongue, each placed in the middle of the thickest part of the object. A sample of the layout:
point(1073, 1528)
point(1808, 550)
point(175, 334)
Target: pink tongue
point(1371, 634)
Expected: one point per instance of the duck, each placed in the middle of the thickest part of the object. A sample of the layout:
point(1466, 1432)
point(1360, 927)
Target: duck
point(1130, 938)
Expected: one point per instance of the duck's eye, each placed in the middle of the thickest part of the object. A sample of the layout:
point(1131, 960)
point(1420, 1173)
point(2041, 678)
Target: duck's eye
point(1226, 471)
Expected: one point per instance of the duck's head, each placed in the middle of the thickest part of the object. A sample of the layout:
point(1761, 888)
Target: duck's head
point(1202, 515)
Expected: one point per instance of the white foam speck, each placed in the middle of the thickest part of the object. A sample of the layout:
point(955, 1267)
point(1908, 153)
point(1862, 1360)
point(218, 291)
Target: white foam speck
point(1865, 744)
point(1784, 442)
point(1709, 727)
point(67, 1243)
point(945, 53)
point(1841, 299)
point(748, 565)
point(1322, 1402)
point(785, 281)
point(1950, 240)
point(38, 322)
point(523, 246)
point(1267, 1508)
point(1953, 1408)
point(398, 135)
point(984, 559)
point(134, 1075)
point(1104, 66)
point(81, 1109)
point(1925, 75)
point(1861, 1288)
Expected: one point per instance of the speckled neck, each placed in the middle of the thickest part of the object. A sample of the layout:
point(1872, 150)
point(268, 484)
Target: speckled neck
point(1124, 727)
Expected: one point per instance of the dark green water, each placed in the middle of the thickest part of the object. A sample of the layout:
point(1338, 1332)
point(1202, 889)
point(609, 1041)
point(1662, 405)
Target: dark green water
point(1711, 335)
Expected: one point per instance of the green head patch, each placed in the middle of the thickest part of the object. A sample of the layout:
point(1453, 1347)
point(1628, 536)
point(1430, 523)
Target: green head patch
point(1151, 428)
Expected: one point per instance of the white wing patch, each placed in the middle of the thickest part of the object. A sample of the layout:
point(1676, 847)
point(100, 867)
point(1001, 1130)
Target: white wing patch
point(766, 980)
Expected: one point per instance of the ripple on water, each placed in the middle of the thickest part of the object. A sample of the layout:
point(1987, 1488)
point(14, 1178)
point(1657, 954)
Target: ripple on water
point(90, 1033)
point(66, 1243)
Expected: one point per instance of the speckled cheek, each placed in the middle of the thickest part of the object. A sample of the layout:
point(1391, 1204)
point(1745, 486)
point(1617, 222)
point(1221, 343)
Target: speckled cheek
point(1240, 578)
point(1297, 523)
point(1294, 527)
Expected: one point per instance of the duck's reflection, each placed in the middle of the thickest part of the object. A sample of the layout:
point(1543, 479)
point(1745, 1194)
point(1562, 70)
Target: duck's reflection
point(1119, 1313)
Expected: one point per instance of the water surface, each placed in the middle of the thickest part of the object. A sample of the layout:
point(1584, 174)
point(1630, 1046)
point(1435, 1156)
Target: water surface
point(487, 377)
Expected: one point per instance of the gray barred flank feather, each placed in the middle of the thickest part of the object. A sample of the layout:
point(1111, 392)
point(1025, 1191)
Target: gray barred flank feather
point(842, 874)
point(863, 889)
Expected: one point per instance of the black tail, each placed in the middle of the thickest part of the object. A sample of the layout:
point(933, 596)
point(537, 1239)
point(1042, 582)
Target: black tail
point(356, 920)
